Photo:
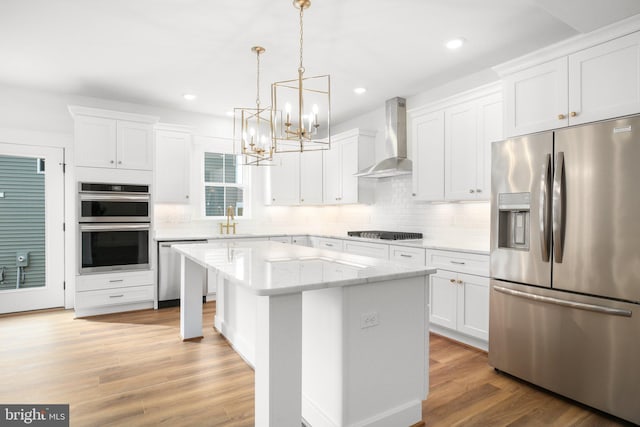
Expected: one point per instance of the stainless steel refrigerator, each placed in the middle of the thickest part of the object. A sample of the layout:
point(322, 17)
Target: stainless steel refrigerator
point(565, 263)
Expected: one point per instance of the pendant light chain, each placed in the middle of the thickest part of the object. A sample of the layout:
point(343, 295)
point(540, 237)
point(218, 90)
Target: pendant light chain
point(301, 68)
point(258, 79)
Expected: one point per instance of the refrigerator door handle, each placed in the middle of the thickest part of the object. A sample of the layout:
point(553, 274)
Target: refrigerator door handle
point(544, 208)
point(558, 208)
point(571, 304)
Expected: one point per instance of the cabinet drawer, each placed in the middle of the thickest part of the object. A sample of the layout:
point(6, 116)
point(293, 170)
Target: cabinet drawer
point(281, 239)
point(459, 261)
point(93, 282)
point(106, 297)
point(374, 250)
point(301, 240)
point(407, 255)
point(327, 243)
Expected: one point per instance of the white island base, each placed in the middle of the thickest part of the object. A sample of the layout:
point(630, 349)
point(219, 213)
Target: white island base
point(349, 348)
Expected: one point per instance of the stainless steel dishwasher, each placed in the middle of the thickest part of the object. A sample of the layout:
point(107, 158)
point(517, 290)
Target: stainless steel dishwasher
point(169, 274)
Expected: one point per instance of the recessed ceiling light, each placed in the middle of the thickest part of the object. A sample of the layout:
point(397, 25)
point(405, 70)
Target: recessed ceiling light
point(360, 90)
point(189, 96)
point(455, 43)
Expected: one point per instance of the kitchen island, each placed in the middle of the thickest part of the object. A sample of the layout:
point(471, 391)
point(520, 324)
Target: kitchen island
point(335, 339)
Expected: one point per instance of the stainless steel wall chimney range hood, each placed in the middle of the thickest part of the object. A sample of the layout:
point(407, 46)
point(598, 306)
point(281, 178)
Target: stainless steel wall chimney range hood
point(395, 141)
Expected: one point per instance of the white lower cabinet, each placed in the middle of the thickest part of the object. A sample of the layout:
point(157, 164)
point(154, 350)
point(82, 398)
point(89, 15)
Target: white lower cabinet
point(301, 240)
point(114, 292)
point(459, 302)
point(326, 243)
point(374, 250)
point(407, 255)
point(281, 239)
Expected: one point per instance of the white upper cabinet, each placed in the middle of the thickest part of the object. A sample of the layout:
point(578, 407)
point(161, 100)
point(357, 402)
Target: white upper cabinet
point(490, 130)
point(461, 147)
point(350, 152)
point(296, 179)
point(604, 81)
point(470, 129)
point(426, 133)
point(95, 142)
point(536, 98)
point(586, 85)
point(311, 178)
point(285, 179)
point(112, 139)
point(134, 145)
point(172, 166)
point(451, 143)
point(332, 174)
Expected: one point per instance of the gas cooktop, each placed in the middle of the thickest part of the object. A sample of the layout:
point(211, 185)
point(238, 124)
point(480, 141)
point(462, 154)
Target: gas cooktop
point(386, 235)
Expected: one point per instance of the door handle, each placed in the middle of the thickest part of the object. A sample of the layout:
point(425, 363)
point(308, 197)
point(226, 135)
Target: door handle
point(558, 208)
point(565, 303)
point(544, 208)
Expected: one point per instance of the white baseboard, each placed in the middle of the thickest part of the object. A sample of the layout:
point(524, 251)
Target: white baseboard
point(457, 336)
point(238, 343)
point(95, 311)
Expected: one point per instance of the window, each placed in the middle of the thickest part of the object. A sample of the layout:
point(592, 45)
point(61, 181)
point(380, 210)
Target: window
point(223, 185)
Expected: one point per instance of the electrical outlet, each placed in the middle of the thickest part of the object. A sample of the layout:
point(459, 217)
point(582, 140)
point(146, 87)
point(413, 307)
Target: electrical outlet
point(367, 320)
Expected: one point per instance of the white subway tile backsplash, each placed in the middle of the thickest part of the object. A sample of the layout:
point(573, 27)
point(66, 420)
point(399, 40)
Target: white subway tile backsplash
point(464, 225)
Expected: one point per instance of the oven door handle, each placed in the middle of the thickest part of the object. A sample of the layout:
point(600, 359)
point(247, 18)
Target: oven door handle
point(88, 197)
point(113, 227)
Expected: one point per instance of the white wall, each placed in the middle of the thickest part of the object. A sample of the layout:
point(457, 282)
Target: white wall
point(29, 109)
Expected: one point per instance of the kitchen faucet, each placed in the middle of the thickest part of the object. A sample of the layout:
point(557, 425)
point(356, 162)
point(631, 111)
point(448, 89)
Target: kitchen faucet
point(228, 226)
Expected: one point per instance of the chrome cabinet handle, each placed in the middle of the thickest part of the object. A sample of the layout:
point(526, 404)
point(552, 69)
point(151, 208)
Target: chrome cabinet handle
point(119, 162)
point(406, 256)
point(116, 296)
point(472, 191)
point(558, 208)
point(116, 281)
point(478, 190)
point(544, 208)
point(458, 262)
point(111, 161)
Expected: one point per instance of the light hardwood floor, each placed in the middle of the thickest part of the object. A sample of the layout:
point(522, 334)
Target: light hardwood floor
point(132, 369)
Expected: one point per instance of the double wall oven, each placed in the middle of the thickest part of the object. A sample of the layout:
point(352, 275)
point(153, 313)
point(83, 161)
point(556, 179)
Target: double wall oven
point(114, 225)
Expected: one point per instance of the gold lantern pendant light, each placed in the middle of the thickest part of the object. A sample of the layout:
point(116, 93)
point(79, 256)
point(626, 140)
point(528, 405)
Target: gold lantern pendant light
point(253, 126)
point(301, 107)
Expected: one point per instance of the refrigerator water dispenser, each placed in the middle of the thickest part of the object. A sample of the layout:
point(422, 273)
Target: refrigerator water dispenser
point(514, 217)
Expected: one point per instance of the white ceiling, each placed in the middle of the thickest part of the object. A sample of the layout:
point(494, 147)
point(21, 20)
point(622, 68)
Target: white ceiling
point(153, 51)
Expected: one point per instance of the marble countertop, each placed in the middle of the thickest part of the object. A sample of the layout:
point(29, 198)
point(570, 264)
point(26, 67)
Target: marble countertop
point(271, 268)
point(170, 234)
